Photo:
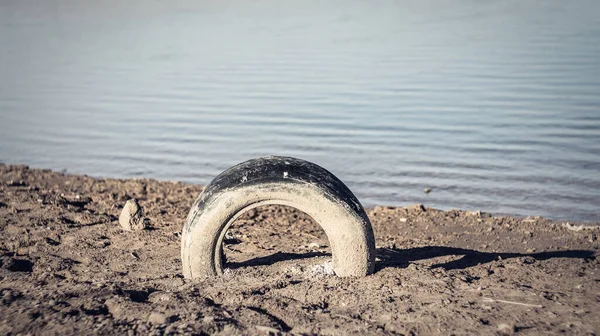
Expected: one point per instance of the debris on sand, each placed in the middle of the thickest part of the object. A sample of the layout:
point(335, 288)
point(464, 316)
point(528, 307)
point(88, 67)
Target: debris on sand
point(131, 218)
point(578, 228)
point(322, 269)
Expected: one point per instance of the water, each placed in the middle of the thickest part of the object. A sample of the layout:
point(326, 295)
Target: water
point(493, 104)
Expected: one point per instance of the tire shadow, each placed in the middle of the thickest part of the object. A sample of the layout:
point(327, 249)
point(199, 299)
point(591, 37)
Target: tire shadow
point(275, 257)
point(400, 258)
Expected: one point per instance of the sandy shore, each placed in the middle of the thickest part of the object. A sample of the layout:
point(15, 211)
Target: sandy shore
point(67, 267)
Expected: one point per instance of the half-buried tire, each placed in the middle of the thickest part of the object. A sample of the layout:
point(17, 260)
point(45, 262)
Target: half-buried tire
point(285, 181)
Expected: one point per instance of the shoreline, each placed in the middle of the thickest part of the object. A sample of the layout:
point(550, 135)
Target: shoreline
point(67, 267)
point(527, 216)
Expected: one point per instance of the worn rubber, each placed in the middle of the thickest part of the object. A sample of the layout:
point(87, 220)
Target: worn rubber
point(284, 181)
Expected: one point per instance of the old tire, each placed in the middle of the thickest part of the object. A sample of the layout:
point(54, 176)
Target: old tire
point(284, 181)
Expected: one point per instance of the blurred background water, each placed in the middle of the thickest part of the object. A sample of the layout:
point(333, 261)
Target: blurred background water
point(495, 104)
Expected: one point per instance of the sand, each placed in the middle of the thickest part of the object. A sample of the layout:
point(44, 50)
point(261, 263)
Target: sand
point(67, 267)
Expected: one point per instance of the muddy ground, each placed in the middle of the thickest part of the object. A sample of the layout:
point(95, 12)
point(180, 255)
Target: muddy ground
point(67, 267)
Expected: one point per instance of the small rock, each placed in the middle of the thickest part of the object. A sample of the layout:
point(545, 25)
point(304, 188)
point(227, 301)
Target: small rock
point(506, 328)
point(427, 190)
point(527, 260)
point(157, 318)
point(131, 216)
point(229, 235)
point(404, 219)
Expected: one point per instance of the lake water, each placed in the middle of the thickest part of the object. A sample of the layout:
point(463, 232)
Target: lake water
point(495, 104)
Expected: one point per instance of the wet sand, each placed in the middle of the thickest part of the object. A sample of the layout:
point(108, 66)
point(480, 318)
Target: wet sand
point(68, 268)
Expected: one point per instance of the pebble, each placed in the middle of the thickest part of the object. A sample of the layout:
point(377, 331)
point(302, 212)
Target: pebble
point(427, 190)
point(131, 216)
point(527, 260)
point(506, 328)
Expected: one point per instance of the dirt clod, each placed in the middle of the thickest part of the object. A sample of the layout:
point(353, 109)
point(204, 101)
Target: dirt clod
point(157, 318)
